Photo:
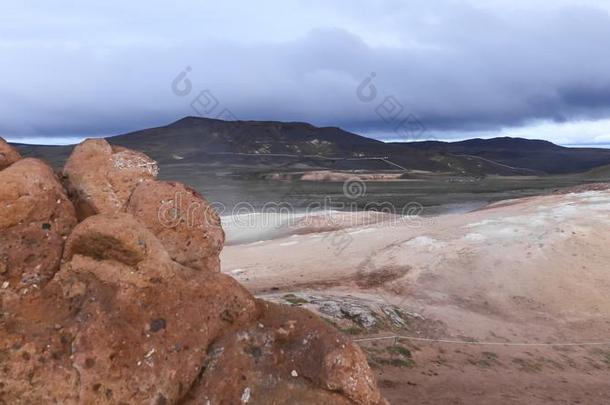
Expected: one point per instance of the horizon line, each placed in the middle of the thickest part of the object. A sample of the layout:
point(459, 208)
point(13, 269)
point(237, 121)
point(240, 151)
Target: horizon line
point(75, 140)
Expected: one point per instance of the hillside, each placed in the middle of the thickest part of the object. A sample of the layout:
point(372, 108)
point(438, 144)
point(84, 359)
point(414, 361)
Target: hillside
point(535, 155)
point(271, 145)
point(289, 145)
point(601, 172)
point(258, 146)
point(494, 303)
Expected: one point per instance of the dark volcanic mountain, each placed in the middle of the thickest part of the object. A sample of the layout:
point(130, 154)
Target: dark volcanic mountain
point(269, 145)
point(536, 155)
point(262, 145)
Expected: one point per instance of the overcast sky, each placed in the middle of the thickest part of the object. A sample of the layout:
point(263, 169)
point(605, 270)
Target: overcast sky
point(443, 69)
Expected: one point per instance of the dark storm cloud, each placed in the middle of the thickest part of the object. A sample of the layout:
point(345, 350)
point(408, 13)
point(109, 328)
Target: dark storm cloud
point(586, 96)
point(459, 66)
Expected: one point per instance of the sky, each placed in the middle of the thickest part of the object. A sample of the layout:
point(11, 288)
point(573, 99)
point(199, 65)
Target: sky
point(389, 69)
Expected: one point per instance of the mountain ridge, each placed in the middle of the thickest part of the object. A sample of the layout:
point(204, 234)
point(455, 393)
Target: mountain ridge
point(262, 145)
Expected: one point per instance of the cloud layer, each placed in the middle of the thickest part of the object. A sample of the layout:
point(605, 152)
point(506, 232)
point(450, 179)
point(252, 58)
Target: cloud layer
point(461, 68)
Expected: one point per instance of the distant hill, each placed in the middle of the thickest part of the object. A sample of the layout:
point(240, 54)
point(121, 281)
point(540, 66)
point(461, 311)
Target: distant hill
point(270, 145)
point(499, 144)
point(601, 172)
point(536, 155)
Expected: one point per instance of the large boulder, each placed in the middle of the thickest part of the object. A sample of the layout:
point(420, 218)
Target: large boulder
point(287, 356)
point(8, 154)
point(123, 323)
point(35, 219)
point(137, 324)
point(186, 224)
point(100, 177)
point(36, 364)
point(130, 317)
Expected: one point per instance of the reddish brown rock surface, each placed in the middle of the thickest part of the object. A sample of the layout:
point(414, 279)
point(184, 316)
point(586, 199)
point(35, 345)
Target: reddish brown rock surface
point(135, 315)
point(185, 222)
point(287, 356)
point(100, 177)
point(149, 319)
point(137, 322)
point(35, 218)
point(8, 154)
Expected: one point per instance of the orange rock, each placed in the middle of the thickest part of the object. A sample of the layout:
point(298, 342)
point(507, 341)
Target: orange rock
point(137, 323)
point(187, 225)
point(288, 355)
point(35, 218)
point(8, 154)
point(122, 322)
point(150, 319)
point(100, 178)
point(130, 317)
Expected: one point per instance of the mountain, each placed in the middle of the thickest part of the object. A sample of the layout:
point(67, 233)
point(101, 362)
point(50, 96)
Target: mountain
point(478, 144)
point(258, 145)
point(284, 145)
point(537, 155)
point(255, 146)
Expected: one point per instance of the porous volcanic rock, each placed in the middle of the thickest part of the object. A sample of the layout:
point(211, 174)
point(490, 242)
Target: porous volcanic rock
point(100, 177)
point(123, 323)
point(287, 356)
point(8, 154)
point(35, 218)
point(137, 323)
point(138, 312)
point(186, 224)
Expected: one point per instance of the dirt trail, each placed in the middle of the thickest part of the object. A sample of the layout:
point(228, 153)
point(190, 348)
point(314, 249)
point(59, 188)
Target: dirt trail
point(532, 271)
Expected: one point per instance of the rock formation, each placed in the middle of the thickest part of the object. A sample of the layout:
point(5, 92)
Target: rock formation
point(138, 311)
point(285, 356)
point(35, 218)
point(186, 224)
point(8, 154)
point(100, 177)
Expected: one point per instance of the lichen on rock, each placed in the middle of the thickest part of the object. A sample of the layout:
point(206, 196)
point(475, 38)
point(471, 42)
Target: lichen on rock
point(100, 177)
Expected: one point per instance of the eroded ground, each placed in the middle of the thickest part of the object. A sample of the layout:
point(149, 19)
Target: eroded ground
point(507, 304)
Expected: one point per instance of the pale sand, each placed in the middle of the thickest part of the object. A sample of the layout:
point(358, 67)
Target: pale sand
point(536, 259)
point(534, 270)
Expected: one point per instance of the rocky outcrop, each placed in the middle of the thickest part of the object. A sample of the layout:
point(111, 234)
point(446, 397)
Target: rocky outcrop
point(35, 218)
point(138, 323)
point(100, 177)
point(286, 356)
point(120, 275)
point(186, 224)
point(137, 315)
point(8, 154)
